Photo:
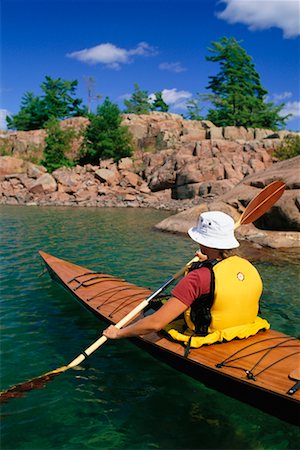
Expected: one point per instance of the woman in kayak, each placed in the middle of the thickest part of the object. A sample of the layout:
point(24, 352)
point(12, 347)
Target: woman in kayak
point(219, 296)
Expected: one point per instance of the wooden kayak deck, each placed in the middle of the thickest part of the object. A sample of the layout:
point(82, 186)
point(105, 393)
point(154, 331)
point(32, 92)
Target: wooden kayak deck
point(254, 370)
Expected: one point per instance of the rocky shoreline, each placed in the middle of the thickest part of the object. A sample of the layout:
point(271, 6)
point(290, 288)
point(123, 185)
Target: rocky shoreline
point(24, 183)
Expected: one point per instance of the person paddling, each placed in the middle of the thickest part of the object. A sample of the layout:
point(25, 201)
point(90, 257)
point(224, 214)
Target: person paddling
point(219, 297)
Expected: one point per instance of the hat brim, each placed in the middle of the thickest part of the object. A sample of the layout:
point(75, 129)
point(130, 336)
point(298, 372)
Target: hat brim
point(211, 242)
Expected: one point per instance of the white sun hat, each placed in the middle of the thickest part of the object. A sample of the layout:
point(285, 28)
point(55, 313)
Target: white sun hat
point(215, 229)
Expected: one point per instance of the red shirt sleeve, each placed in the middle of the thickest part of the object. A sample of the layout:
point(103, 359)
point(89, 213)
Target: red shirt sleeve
point(192, 286)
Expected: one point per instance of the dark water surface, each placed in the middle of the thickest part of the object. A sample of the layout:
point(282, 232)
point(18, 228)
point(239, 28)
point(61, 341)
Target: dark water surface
point(120, 398)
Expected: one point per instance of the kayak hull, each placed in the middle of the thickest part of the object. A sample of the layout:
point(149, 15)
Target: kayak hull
point(269, 356)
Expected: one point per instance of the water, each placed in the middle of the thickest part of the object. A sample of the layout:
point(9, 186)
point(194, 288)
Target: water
point(120, 398)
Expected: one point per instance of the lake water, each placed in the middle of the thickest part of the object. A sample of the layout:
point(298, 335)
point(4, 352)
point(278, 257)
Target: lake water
point(120, 398)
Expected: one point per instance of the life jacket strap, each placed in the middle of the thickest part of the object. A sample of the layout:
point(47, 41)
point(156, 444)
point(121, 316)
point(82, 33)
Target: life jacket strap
point(188, 347)
point(200, 309)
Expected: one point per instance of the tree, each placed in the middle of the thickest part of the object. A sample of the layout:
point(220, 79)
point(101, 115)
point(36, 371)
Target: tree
point(105, 137)
point(238, 96)
point(139, 102)
point(194, 109)
point(31, 116)
point(159, 104)
point(90, 84)
point(59, 98)
point(58, 142)
point(58, 101)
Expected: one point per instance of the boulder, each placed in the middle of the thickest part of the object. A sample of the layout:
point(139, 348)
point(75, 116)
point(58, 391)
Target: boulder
point(83, 195)
point(45, 184)
point(215, 133)
point(35, 171)
point(130, 179)
point(107, 176)
point(234, 133)
point(68, 180)
point(11, 165)
point(125, 164)
point(261, 133)
point(196, 135)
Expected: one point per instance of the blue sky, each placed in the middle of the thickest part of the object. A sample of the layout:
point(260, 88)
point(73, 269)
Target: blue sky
point(159, 44)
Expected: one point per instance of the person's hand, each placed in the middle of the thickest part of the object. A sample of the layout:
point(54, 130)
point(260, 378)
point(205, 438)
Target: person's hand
point(111, 332)
point(201, 256)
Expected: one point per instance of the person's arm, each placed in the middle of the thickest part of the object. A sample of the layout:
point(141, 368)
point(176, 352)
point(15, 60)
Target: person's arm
point(155, 322)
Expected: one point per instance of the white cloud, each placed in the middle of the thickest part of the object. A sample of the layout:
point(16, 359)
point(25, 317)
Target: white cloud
point(111, 56)
point(3, 114)
point(280, 97)
point(291, 108)
point(263, 14)
point(172, 67)
point(143, 49)
point(176, 99)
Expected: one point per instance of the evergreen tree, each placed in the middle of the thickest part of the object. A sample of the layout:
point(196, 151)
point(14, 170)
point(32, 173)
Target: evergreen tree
point(159, 104)
point(32, 115)
point(194, 109)
point(58, 101)
point(59, 98)
point(138, 103)
point(58, 142)
point(105, 137)
point(238, 96)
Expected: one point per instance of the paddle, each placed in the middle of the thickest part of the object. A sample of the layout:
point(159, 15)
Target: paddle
point(261, 203)
point(256, 208)
point(295, 376)
point(39, 382)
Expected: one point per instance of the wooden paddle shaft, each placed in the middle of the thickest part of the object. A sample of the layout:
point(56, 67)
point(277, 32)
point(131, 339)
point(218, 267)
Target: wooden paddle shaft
point(88, 351)
point(93, 347)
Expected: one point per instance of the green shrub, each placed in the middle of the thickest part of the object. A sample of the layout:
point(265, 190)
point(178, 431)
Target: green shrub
point(58, 142)
point(105, 137)
point(289, 148)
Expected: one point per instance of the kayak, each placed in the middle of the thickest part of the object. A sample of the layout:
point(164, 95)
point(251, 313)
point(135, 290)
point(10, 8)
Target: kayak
point(257, 370)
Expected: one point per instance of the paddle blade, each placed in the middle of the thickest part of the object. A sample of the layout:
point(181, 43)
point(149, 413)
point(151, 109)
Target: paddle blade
point(36, 383)
point(262, 203)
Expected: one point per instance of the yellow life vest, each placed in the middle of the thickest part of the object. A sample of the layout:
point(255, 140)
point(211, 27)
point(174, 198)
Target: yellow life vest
point(238, 288)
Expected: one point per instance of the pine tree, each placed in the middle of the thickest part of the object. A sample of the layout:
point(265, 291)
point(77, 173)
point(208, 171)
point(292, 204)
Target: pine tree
point(59, 98)
point(159, 104)
point(105, 137)
point(138, 103)
point(194, 109)
point(31, 116)
point(58, 101)
point(238, 96)
point(58, 142)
